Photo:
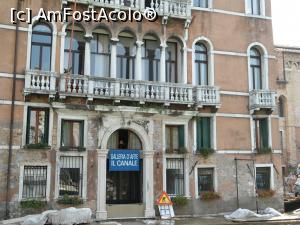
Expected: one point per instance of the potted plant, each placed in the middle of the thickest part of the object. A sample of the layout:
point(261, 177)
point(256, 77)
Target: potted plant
point(209, 196)
point(70, 200)
point(205, 152)
point(265, 193)
point(264, 150)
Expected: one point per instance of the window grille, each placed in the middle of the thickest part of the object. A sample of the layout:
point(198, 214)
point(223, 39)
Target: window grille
point(175, 176)
point(205, 179)
point(34, 182)
point(263, 175)
point(70, 179)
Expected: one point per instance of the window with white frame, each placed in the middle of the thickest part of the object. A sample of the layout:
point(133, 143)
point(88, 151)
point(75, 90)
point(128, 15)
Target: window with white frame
point(174, 138)
point(205, 180)
point(261, 134)
point(37, 127)
point(255, 7)
point(34, 182)
point(201, 3)
point(203, 133)
point(175, 176)
point(263, 178)
point(72, 134)
point(256, 69)
point(70, 178)
point(41, 45)
point(201, 62)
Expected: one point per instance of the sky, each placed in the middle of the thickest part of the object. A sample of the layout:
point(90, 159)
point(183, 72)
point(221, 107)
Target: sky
point(286, 22)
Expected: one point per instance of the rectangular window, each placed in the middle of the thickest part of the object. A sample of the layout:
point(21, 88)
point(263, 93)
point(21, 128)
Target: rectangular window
point(263, 178)
point(34, 182)
point(37, 126)
point(200, 3)
point(261, 134)
point(70, 179)
point(72, 134)
point(174, 138)
point(203, 133)
point(175, 176)
point(205, 179)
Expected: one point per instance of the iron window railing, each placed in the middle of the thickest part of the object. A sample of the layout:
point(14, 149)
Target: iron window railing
point(263, 177)
point(70, 178)
point(205, 179)
point(175, 176)
point(34, 182)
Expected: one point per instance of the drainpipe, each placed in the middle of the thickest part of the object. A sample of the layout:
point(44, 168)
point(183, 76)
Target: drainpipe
point(12, 115)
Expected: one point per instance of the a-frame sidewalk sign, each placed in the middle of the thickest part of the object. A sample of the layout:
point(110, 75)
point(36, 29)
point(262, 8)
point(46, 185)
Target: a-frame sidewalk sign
point(165, 206)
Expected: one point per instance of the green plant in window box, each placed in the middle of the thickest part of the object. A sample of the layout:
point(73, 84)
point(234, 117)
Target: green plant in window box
point(33, 204)
point(182, 150)
point(205, 152)
point(169, 151)
point(70, 200)
point(179, 200)
point(265, 193)
point(37, 146)
point(209, 196)
point(264, 150)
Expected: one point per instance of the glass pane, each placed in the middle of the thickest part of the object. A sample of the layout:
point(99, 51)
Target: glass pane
point(39, 38)
point(203, 72)
point(263, 178)
point(42, 28)
point(71, 134)
point(46, 58)
point(37, 127)
point(34, 182)
point(35, 57)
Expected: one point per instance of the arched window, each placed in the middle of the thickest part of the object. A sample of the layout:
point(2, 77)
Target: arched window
point(100, 53)
point(151, 58)
point(76, 56)
point(174, 60)
point(281, 106)
point(126, 52)
point(201, 64)
point(41, 44)
point(256, 69)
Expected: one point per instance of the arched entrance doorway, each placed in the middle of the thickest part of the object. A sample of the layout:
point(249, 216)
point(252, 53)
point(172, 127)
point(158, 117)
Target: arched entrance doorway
point(124, 185)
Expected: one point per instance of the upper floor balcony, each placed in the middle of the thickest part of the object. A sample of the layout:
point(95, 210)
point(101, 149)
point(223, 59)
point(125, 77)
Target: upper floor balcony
point(262, 99)
point(116, 89)
point(171, 8)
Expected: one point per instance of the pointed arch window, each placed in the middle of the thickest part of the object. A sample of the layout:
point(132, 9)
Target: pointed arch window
point(201, 64)
point(41, 44)
point(256, 69)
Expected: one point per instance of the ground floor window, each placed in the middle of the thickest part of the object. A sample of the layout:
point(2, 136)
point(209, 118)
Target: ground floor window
point(205, 179)
point(174, 138)
point(70, 179)
point(175, 176)
point(263, 178)
point(34, 182)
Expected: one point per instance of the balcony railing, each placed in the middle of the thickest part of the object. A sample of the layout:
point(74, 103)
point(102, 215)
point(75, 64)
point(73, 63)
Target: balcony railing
point(120, 89)
point(262, 99)
point(172, 8)
point(208, 96)
point(37, 81)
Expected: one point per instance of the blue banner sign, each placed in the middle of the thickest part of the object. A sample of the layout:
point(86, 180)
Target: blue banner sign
point(124, 160)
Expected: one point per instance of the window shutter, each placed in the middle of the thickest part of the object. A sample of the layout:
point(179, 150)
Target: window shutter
point(46, 127)
point(206, 132)
point(264, 133)
point(181, 136)
point(81, 134)
point(28, 125)
point(198, 133)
